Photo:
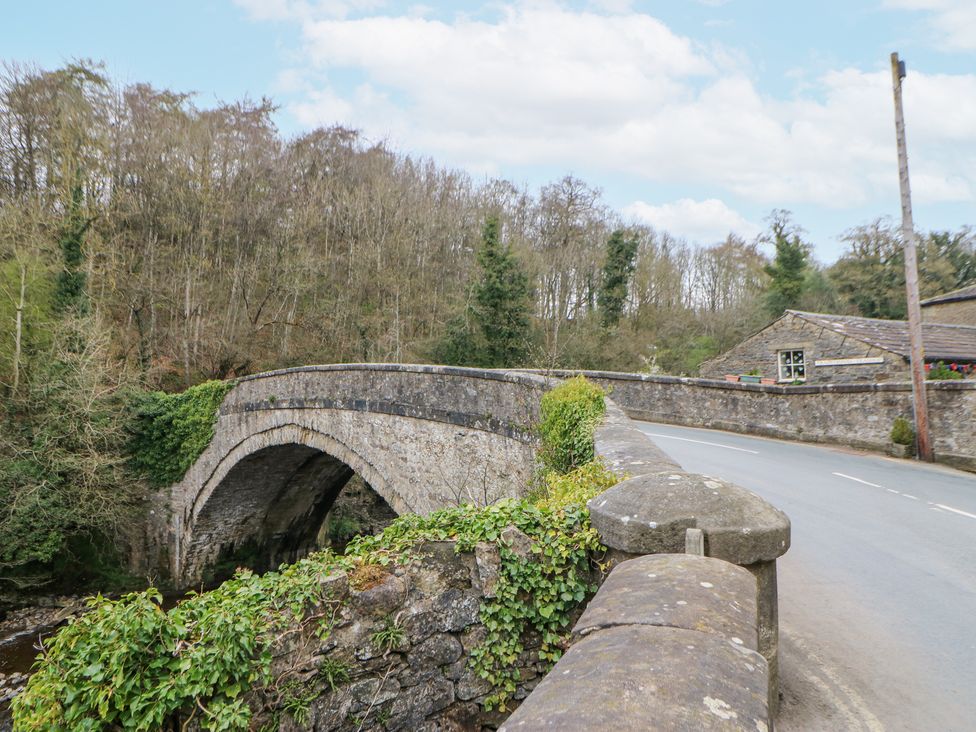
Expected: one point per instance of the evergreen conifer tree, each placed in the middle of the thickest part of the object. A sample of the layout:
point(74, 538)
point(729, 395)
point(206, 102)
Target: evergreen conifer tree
point(502, 302)
point(493, 331)
point(619, 266)
point(788, 271)
point(69, 291)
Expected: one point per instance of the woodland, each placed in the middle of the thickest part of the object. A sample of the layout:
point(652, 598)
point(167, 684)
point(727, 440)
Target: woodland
point(148, 245)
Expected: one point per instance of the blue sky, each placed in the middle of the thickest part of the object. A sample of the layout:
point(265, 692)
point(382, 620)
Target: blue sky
point(697, 116)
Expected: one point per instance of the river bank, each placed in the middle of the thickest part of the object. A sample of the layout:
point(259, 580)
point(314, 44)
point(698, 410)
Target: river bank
point(21, 632)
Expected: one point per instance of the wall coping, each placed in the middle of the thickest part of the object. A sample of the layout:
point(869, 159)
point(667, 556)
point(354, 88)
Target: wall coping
point(527, 378)
point(839, 388)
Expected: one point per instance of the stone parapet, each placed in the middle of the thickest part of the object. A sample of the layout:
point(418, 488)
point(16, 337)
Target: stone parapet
point(855, 415)
point(668, 643)
point(651, 512)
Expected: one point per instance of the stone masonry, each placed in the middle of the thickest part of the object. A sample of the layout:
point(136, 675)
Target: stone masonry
point(956, 313)
point(856, 415)
point(423, 679)
point(759, 351)
point(286, 442)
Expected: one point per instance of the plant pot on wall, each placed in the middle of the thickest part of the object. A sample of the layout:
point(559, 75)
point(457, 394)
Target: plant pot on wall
point(750, 379)
point(731, 377)
point(900, 451)
point(768, 380)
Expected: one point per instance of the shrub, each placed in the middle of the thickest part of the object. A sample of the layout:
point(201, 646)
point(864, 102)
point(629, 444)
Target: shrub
point(585, 482)
point(171, 430)
point(569, 415)
point(941, 372)
point(902, 432)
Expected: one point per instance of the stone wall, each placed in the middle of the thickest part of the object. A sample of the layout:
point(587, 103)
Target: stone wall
point(671, 641)
point(759, 351)
point(422, 680)
point(857, 415)
point(961, 312)
point(668, 643)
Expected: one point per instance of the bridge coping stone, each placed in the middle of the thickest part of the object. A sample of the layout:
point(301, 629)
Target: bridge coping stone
point(676, 591)
point(635, 678)
point(649, 514)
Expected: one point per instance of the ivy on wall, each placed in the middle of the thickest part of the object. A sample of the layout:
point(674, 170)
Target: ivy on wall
point(171, 430)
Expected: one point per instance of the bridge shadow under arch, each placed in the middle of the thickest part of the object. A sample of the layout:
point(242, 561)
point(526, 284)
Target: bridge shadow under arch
point(268, 500)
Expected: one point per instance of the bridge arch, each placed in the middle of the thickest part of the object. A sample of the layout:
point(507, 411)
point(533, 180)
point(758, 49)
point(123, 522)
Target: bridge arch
point(271, 492)
point(285, 442)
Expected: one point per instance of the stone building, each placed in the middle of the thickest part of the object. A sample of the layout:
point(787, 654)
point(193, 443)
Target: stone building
point(818, 348)
point(957, 307)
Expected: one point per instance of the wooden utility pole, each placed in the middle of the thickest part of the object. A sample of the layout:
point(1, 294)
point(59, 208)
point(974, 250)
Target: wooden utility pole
point(923, 441)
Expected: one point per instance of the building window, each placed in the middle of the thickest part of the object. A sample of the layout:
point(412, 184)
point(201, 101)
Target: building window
point(792, 366)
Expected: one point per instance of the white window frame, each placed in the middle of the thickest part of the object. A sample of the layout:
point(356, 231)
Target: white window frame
point(788, 371)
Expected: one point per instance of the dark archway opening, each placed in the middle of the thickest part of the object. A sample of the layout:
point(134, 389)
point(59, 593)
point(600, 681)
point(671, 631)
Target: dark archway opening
point(279, 504)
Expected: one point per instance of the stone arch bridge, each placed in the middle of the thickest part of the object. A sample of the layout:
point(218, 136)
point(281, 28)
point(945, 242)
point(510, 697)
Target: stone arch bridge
point(286, 442)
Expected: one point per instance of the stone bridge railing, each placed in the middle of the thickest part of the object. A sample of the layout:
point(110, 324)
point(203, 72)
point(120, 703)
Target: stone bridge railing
point(684, 632)
point(285, 442)
point(856, 415)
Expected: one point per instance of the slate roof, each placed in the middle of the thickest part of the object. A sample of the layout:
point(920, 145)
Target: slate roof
point(942, 342)
point(963, 293)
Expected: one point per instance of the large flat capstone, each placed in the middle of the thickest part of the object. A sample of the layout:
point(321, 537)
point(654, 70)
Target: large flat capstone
point(678, 591)
point(650, 513)
point(641, 677)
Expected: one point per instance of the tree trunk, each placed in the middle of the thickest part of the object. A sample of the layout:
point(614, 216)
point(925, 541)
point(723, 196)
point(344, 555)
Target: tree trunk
point(19, 327)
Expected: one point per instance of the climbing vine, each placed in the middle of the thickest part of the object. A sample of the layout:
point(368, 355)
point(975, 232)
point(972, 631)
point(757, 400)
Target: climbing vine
point(171, 430)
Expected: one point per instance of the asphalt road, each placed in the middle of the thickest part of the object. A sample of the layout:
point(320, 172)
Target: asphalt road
point(878, 592)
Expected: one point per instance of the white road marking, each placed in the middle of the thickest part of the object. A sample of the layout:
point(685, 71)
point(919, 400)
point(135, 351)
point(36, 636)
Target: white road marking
point(905, 495)
point(843, 697)
point(851, 477)
point(702, 442)
point(956, 510)
point(892, 490)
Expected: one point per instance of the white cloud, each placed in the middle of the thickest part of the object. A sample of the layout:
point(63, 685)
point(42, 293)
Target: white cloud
point(543, 84)
point(705, 222)
point(613, 6)
point(953, 20)
point(306, 9)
